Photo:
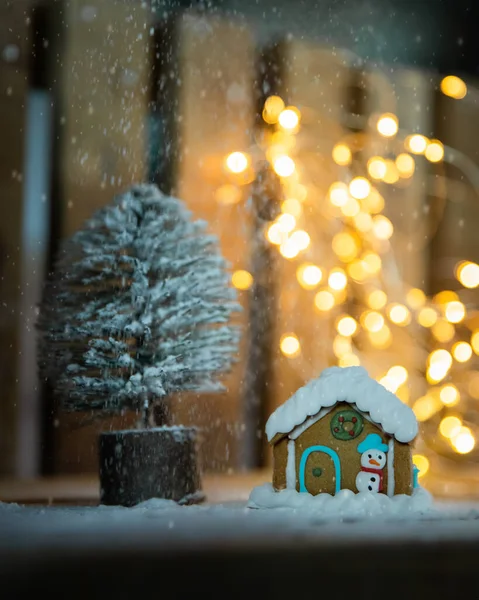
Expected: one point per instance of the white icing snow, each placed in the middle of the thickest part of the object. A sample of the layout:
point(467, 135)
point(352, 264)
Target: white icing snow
point(391, 475)
point(294, 435)
point(352, 385)
point(345, 503)
point(291, 466)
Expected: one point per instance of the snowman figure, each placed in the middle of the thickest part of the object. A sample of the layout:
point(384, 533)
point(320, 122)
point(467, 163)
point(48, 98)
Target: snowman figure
point(373, 460)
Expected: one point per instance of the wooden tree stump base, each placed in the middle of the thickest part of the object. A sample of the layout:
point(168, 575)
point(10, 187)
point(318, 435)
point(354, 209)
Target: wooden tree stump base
point(137, 465)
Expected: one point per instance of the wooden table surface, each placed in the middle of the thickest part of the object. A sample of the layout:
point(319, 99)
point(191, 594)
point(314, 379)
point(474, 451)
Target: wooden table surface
point(85, 490)
point(219, 487)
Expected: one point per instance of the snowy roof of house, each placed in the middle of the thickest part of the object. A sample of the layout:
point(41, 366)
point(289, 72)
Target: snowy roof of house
point(352, 385)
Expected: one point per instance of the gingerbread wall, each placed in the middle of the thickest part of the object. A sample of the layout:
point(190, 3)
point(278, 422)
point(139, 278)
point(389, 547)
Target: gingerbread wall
point(320, 473)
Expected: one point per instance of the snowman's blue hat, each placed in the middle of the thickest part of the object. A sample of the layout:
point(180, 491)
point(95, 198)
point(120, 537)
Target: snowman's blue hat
point(372, 442)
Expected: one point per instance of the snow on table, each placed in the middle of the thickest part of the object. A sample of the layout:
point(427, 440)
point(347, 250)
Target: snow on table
point(163, 523)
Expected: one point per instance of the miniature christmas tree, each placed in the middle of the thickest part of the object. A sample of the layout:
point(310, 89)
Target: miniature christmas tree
point(137, 308)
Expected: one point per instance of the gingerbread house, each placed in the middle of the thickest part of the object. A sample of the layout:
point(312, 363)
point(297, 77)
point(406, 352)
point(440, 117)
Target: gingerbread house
point(343, 430)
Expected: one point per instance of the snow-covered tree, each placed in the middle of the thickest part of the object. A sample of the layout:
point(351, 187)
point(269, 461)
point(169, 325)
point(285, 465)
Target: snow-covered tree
point(137, 308)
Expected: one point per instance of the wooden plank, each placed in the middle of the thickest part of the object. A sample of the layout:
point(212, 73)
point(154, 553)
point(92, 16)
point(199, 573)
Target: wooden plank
point(213, 109)
point(455, 124)
point(102, 98)
point(84, 489)
point(102, 87)
point(314, 79)
point(407, 93)
point(15, 39)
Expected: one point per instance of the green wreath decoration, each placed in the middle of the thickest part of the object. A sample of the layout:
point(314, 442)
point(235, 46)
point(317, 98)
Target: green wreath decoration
point(346, 416)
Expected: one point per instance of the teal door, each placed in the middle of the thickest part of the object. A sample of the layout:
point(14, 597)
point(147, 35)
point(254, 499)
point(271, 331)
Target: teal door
point(335, 462)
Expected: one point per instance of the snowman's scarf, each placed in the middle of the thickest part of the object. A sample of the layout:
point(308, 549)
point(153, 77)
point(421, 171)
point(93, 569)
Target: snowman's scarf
point(376, 472)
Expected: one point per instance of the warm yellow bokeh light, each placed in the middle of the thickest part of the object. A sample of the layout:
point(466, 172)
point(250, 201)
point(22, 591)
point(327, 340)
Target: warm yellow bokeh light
point(455, 312)
point(392, 173)
point(403, 394)
point(342, 154)
point(440, 356)
point(389, 384)
point(454, 87)
point(377, 167)
point(416, 298)
point(395, 378)
point(282, 139)
point(349, 360)
point(462, 351)
point(284, 165)
point(345, 246)
point(289, 345)
point(309, 276)
point(228, 194)
point(275, 235)
point(372, 321)
point(359, 188)
point(449, 395)
point(434, 151)
point(473, 385)
point(398, 374)
point(374, 203)
point(450, 426)
point(273, 107)
point(463, 442)
point(439, 363)
point(340, 296)
point(372, 262)
point(289, 249)
point(292, 207)
point(363, 221)
point(405, 165)
point(289, 118)
point(387, 125)
point(338, 194)
point(358, 270)
point(443, 331)
point(422, 463)
point(237, 162)
point(425, 407)
point(381, 339)
point(445, 297)
point(475, 341)
point(300, 239)
point(416, 143)
point(242, 280)
point(382, 227)
point(427, 316)
point(298, 190)
point(346, 326)
point(399, 314)
point(377, 299)
point(351, 208)
point(324, 300)
point(468, 274)
point(341, 346)
point(286, 223)
point(337, 279)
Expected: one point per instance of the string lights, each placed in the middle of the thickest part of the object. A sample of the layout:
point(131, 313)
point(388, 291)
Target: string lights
point(355, 269)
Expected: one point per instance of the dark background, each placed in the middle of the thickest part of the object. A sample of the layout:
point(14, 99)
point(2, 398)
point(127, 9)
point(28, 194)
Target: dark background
point(431, 34)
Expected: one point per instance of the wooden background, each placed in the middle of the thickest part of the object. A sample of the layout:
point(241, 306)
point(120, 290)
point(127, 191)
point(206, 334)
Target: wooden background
point(113, 69)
